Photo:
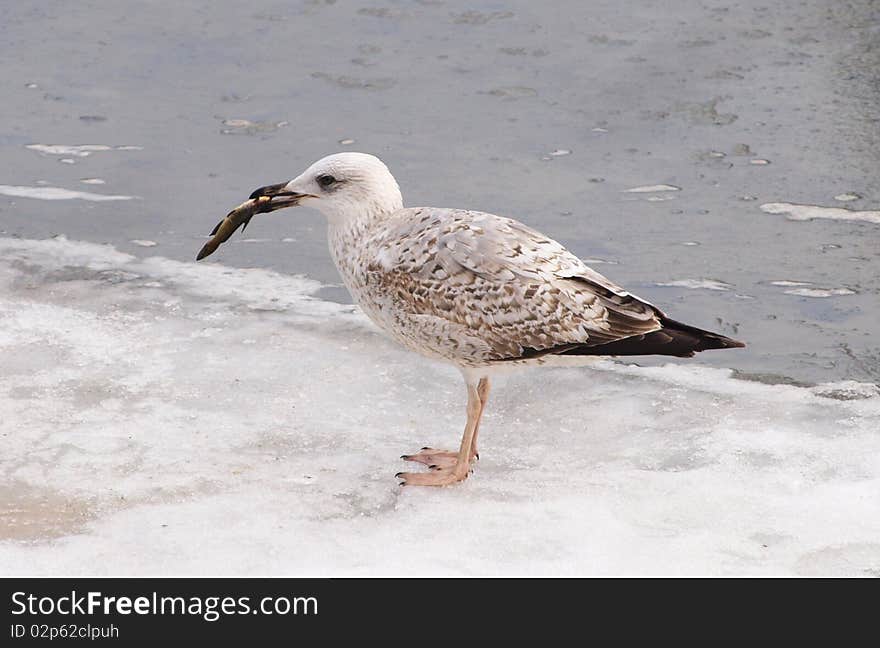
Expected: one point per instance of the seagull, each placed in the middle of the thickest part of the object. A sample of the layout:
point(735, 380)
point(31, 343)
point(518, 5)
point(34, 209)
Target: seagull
point(473, 289)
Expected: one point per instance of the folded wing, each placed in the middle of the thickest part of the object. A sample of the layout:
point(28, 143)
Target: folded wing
point(520, 292)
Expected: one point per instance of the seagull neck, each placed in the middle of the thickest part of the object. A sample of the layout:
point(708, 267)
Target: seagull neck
point(357, 222)
point(348, 237)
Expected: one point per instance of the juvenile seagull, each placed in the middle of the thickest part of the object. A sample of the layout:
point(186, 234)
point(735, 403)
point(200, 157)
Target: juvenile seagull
point(474, 289)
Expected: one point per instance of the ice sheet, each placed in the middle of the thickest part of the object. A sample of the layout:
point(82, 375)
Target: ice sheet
point(79, 150)
point(653, 189)
point(809, 212)
point(697, 284)
point(162, 417)
point(56, 193)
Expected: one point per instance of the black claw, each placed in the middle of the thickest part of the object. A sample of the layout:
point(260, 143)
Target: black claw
point(426, 448)
point(433, 467)
point(397, 476)
point(404, 456)
point(477, 456)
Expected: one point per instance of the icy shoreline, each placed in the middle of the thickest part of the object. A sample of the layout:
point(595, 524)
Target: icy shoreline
point(162, 417)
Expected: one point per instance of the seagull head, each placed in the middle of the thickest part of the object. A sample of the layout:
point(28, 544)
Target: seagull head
point(341, 186)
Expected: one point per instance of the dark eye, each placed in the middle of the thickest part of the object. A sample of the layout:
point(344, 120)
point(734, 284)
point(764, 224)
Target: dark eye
point(326, 180)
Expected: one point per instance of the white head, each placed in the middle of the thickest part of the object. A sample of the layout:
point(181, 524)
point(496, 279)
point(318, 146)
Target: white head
point(341, 186)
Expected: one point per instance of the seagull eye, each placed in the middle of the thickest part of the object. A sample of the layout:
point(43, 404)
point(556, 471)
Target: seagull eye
point(326, 180)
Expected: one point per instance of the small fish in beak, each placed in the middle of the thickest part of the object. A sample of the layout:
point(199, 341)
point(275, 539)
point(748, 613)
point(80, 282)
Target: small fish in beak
point(263, 200)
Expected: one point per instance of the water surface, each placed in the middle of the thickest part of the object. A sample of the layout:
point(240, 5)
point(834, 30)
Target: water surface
point(546, 116)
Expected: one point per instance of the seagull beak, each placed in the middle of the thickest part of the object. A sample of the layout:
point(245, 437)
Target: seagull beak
point(279, 197)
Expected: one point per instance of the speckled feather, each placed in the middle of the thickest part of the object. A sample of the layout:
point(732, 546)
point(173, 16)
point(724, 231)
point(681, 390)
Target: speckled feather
point(472, 288)
point(476, 289)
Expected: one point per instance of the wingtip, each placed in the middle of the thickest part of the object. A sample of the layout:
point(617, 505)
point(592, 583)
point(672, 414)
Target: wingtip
point(723, 342)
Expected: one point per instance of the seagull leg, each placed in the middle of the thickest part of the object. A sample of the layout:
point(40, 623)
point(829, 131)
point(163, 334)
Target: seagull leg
point(451, 470)
point(438, 459)
point(483, 392)
point(434, 458)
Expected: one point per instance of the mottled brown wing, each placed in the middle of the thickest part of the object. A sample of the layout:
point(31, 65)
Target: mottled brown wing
point(509, 285)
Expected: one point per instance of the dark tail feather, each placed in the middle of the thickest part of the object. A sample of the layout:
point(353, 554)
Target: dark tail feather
point(674, 339)
point(704, 339)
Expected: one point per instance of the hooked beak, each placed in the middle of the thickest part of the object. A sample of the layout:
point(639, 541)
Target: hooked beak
point(279, 197)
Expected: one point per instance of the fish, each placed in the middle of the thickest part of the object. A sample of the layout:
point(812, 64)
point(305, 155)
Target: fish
point(238, 217)
point(263, 200)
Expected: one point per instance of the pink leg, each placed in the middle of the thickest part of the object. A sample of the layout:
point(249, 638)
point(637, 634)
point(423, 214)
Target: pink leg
point(483, 392)
point(452, 467)
point(434, 458)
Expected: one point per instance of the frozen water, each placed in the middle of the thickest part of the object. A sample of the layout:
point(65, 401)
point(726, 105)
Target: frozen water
point(809, 212)
point(455, 119)
point(820, 292)
point(83, 150)
point(167, 418)
point(808, 289)
point(56, 193)
point(598, 261)
point(696, 284)
point(653, 189)
point(78, 150)
point(248, 127)
point(788, 283)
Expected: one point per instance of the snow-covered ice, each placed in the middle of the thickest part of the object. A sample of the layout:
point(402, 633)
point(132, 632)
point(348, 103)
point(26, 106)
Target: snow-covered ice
point(56, 193)
point(809, 212)
point(788, 283)
point(79, 150)
point(653, 188)
point(820, 292)
point(167, 418)
point(808, 289)
point(697, 284)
